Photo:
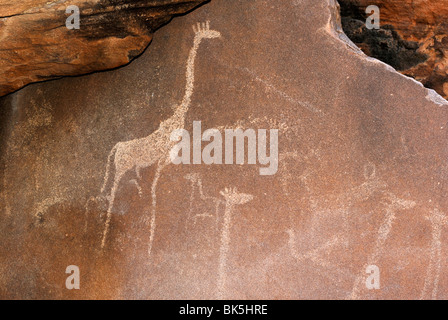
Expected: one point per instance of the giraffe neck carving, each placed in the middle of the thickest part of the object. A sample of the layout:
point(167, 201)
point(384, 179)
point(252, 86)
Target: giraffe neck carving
point(202, 31)
point(190, 74)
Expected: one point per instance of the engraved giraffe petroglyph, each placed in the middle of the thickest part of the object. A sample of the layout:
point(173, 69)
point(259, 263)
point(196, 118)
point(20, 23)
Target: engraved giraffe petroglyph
point(232, 199)
point(383, 234)
point(155, 148)
point(438, 221)
point(197, 187)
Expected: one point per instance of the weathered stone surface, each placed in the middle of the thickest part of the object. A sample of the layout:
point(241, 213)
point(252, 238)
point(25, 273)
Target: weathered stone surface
point(362, 177)
point(413, 37)
point(36, 45)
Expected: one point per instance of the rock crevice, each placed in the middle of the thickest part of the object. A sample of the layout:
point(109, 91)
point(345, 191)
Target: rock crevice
point(36, 45)
point(412, 37)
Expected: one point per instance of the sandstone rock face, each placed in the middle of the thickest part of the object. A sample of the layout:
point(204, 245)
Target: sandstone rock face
point(361, 181)
point(36, 44)
point(413, 37)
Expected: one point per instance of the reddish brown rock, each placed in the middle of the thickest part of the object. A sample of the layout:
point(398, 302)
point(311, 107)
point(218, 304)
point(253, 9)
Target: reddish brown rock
point(36, 45)
point(361, 181)
point(413, 38)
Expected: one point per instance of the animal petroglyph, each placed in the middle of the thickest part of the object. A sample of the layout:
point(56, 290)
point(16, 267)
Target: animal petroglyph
point(361, 192)
point(395, 204)
point(232, 199)
point(317, 255)
point(438, 221)
point(337, 205)
point(154, 149)
point(294, 156)
point(197, 188)
point(340, 204)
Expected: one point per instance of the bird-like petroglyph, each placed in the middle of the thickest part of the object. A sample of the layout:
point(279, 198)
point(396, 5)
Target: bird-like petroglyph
point(232, 198)
point(438, 221)
point(197, 189)
point(154, 149)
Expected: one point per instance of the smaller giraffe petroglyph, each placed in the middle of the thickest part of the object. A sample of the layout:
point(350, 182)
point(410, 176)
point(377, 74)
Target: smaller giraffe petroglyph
point(196, 187)
point(395, 205)
point(154, 149)
point(232, 198)
point(438, 221)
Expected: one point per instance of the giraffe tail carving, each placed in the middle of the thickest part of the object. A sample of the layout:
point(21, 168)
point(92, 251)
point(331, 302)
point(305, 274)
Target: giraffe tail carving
point(108, 168)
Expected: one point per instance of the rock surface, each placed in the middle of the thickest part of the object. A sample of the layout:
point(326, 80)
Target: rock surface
point(413, 37)
point(362, 176)
point(36, 44)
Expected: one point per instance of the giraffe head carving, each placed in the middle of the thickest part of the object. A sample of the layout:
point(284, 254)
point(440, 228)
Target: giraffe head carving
point(202, 31)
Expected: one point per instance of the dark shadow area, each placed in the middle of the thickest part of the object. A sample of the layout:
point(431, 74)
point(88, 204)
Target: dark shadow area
point(117, 31)
point(384, 44)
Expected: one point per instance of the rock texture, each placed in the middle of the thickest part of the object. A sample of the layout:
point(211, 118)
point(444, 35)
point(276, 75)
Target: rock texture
point(413, 37)
point(362, 176)
point(36, 45)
